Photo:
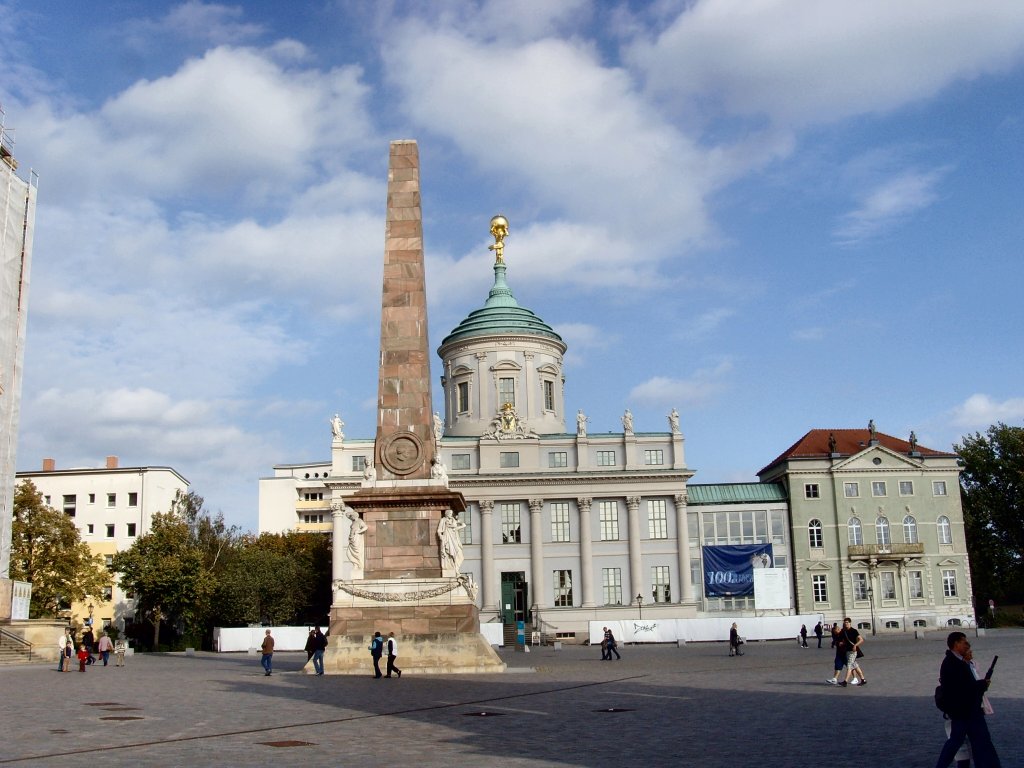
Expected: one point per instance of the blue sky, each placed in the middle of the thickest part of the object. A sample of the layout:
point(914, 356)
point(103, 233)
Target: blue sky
point(772, 215)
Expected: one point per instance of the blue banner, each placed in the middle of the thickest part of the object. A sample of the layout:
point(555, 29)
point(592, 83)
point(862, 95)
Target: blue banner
point(729, 570)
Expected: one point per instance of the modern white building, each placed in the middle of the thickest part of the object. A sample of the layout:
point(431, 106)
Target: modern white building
point(17, 226)
point(111, 506)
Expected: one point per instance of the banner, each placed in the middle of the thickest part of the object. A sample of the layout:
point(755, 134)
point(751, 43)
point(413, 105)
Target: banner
point(729, 570)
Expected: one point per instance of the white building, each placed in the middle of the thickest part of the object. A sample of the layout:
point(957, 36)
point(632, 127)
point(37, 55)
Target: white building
point(111, 507)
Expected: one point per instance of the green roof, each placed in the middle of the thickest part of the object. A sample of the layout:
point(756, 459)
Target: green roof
point(500, 314)
point(734, 493)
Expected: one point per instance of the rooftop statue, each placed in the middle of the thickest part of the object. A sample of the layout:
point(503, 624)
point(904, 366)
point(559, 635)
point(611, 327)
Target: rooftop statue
point(499, 229)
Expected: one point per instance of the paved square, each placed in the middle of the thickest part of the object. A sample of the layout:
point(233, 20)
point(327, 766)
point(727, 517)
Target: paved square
point(658, 706)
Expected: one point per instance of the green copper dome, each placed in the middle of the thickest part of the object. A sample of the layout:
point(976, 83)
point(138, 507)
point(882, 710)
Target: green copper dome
point(500, 314)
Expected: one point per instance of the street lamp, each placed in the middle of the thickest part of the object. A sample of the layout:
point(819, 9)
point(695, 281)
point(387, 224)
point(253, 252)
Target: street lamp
point(640, 605)
point(91, 609)
point(871, 606)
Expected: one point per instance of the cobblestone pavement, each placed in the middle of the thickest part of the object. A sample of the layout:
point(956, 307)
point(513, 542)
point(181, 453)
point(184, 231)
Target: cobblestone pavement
point(659, 705)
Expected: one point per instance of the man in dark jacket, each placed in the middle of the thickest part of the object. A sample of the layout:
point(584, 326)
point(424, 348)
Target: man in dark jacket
point(963, 696)
point(376, 650)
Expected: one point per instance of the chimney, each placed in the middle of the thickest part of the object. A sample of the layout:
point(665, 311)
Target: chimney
point(49, 465)
point(111, 462)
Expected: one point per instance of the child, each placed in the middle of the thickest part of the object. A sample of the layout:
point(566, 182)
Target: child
point(69, 653)
point(120, 649)
point(83, 658)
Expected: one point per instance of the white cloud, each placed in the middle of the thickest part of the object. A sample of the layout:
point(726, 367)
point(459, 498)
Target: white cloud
point(699, 389)
point(980, 411)
point(797, 63)
point(704, 324)
point(889, 203)
point(209, 22)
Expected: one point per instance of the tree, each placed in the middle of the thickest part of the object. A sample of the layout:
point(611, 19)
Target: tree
point(46, 549)
point(992, 492)
point(166, 571)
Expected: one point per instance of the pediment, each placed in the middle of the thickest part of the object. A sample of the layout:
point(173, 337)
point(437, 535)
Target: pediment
point(548, 368)
point(877, 458)
point(462, 370)
point(506, 365)
point(819, 566)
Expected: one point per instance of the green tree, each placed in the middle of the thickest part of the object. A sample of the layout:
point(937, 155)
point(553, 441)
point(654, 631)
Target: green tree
point(167, 573)
point(46, 549)
point(992, 492)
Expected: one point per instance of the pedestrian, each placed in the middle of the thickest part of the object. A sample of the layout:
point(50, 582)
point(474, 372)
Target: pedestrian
point(735, 641)
point(89, 640)
point(69, 654)
point(963, 755)
point(268, 653)
point(120, 649)
point(840, 657)
point(392, 655)
point(310, 644)
point(105, 647)
point(319, 646)
point(803, 635)
point(612, 646)
point(818, 633)
point(964, 703)
point(83, 658)
point(376, 649)
point(61, 645)
point(852, 640)
point(604, 644)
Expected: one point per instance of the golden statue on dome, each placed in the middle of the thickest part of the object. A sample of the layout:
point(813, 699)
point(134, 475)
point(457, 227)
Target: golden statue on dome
point(499, 229)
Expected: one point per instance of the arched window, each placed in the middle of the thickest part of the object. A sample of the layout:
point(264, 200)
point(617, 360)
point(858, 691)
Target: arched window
point(814, 535)
point(910, 529)
point(882, 531)
point(855, 531)
point(945, 532)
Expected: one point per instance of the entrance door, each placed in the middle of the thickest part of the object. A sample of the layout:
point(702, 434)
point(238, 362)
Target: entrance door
point(514, 597)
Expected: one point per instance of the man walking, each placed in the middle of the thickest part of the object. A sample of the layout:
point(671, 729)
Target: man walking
point(852, 639)
point(376, 650)
point(65, 638)
point(610, 644)
point(392, 655)
point(268, 653)
point(818, 633)
point(963, 696)
point(319, 644)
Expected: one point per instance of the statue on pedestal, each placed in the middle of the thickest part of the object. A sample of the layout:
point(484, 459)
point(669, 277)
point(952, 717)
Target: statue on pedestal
point(581, 423)
point(356, 540)
point(337, 425)
point(451, 546)
point(499, 230)
point(673, 421)
point(627, 422)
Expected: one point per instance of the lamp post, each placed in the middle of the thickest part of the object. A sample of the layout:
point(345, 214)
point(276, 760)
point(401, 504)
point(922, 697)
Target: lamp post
point(640, 605)
point(871, 606)
point(91, 609)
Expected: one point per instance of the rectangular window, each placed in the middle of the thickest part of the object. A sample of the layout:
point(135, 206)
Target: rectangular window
point(820, 588)
point(887, 581)
point(509, 459)
point(111, 499)
point(654, 457)
point(506, 391)
point(606, 458)
point(108, 561)
point(313, 496)
point(312, 518)
point(358, 463)
point(70, 505)
point(89, 528)
point(558, 459)
point(110, 530)
point(131, 530)
point(560, 521)
point(463, 390)
point(906, 487)
point(811, 491)
point(860, 586)
point(878, 488)
point(466, 534)
point(510, 528)
point(107, 595)
point(851, 490)
point(611, 583)
point(939, 488)
point(460, 461)
point(549, 395)
point(660, 588)
point(657, 519)
point(949, 583)
point(92, 498)
point(915, 582)
point(133, 499)
point(563, 588)
point(609, 518)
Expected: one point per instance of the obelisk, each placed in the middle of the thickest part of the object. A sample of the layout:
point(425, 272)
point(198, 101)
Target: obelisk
point(395, 581)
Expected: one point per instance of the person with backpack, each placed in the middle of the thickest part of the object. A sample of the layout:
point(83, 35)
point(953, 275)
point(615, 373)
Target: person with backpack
point(961, 697)
point(376, 651)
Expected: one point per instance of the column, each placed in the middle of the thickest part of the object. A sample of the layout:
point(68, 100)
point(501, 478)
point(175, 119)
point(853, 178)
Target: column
point(488, 576)
point(537, 553)
point(338, 545)
point(683, 539)
point(586, 552)
point(482, 410)
point(636, 576)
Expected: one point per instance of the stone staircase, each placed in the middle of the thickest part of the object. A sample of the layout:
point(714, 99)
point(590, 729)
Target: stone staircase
point(15, 651)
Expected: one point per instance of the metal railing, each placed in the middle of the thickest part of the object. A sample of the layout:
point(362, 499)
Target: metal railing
point(9, 638)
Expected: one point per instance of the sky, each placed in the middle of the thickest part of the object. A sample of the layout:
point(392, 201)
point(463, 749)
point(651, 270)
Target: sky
point(772, 215)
